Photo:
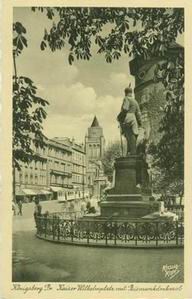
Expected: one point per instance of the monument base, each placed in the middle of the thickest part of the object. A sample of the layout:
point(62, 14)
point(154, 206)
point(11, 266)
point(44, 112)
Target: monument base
point(124, 200)
point(127, 209)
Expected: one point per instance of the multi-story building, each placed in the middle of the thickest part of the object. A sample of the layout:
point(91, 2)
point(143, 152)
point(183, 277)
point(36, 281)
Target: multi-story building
point(59, 167)
point(95, 141)
point(47, 175)
point(95, 146)
point(64, 168)
point(31, 180)
point(78, 160)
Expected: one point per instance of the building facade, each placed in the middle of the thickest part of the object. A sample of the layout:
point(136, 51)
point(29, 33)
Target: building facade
point(95, 147)
point(94, 141)
point(78, 161)
point(151, 95)
point(59, 167)
point(58, 172)
point(32, 180)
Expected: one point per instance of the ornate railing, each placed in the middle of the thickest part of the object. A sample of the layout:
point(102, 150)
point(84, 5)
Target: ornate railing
point(177, 209)
point(111, 233)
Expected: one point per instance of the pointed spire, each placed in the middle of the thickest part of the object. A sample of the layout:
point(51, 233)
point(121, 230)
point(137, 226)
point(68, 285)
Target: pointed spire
point(95, 122)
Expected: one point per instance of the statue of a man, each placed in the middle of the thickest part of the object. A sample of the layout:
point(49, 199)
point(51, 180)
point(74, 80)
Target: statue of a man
point(130, 120)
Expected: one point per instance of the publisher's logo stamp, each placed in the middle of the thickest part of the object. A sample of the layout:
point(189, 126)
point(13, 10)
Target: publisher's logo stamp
point(171, 271)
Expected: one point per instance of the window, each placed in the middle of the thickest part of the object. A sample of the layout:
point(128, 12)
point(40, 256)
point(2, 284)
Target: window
point(20, 177)
point(31, 179)
point(52, 179)
point(60, 180)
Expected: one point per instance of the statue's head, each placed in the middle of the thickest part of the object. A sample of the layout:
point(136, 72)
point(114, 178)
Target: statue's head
point(128, 91)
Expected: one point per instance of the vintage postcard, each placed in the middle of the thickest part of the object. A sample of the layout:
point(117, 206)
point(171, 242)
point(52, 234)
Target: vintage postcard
point(95, 141)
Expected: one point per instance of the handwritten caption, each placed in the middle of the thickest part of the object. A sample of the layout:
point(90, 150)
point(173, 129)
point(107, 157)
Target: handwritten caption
point(18, 287)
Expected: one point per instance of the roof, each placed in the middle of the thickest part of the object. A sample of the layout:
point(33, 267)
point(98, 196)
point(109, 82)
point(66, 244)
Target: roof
point(95, 122)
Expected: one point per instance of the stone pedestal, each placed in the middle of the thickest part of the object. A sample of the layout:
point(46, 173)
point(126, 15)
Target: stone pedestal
point(124, 200)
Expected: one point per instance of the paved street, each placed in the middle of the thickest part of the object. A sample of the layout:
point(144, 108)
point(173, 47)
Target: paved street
point(39, 260)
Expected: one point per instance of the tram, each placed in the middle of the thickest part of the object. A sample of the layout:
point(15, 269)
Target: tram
point(72, 195)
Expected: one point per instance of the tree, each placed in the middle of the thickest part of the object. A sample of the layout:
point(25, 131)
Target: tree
point(135, 31)
point(112, 152)
point(28, 108)
point(138, 32)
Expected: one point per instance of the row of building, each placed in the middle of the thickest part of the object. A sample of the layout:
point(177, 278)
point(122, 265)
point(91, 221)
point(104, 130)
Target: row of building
point(64, 170)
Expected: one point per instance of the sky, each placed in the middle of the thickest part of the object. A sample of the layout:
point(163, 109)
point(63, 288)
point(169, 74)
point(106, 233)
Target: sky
point(75, 93)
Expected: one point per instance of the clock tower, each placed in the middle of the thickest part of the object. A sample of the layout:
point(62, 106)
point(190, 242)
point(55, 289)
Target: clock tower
point(95, 141)
point(95, 146)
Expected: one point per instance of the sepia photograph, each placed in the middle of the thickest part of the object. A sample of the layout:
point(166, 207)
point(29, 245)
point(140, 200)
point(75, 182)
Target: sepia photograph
point(98, 144)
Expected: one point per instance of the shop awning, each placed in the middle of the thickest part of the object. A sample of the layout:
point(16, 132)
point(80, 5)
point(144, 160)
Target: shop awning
point(46, 192)
point(56, 189)
point(20, 193)
point(30, 192)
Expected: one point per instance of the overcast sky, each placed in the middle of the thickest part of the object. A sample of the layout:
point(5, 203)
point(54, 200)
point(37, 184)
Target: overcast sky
point(76, 93)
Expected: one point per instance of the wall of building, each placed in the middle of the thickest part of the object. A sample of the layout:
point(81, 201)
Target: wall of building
point(95, 146)
point(63, 165)
point(78, 163)
point(150, 95)
point(53, 169)
point(59, 164)
point(79, 167)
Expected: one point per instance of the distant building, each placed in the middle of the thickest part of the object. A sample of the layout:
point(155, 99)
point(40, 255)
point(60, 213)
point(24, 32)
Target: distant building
point(95, 141)
point(95, 146)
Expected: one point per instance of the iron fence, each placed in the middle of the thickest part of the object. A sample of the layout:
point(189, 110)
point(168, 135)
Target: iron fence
point(114, 233)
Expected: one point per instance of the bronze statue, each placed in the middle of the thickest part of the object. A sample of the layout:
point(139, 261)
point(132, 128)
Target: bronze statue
point(130, 120)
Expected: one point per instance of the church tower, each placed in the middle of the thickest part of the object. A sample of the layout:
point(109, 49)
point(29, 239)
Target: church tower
point(95, 146)
point(95, 141)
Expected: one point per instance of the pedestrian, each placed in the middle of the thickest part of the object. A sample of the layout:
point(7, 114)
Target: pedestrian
point(20, 207)
point(13, 208)
point(38, 208)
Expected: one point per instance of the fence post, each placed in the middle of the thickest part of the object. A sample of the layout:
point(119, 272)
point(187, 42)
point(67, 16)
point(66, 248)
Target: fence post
point(46, 226)
point(157, 233)
point(115, 233)
point(71, 230)
point(53, 227)
point(136, 233)
point(176, 233)
point(87, 232)
point(58, 229)
point(105, 227)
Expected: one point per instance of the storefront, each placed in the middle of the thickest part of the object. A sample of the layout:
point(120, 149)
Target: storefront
point(29, 195)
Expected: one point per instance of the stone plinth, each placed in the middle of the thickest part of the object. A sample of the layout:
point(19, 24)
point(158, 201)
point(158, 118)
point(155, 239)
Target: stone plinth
point(124, 199)
point(125, 179)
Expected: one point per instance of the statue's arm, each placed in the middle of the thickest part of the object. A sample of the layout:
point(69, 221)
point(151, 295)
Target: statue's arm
point(138, 115)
